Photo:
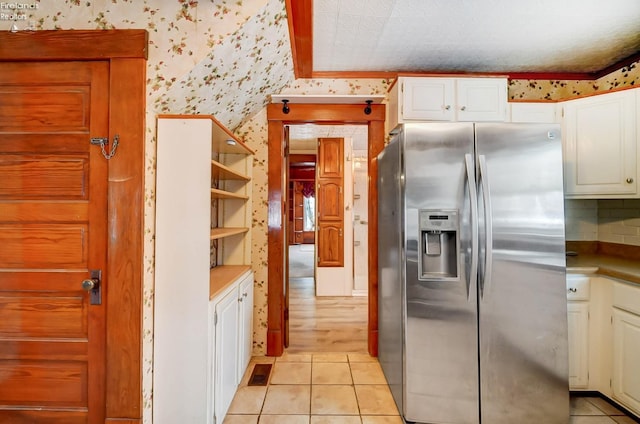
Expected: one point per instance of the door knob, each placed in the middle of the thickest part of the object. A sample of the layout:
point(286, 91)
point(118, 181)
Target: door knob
point(629, 180)
point(93, 286)
point(89, 284)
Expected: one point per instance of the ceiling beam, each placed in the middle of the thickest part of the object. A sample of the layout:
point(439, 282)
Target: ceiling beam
point(300, 17)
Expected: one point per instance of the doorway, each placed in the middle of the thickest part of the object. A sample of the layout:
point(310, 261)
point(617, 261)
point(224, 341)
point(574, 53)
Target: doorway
point(327, 311)
point(326, 114)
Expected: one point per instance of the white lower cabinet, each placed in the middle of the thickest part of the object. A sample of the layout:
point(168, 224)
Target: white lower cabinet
point(245, 315)
point(578, 323)
point(626, 345)
point(578, 286)
point(232, 331)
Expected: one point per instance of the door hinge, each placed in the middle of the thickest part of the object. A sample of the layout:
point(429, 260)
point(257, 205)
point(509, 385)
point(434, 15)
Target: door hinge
point(610, 383)
point(286, 314)
point(215, 318)
point(215, 419)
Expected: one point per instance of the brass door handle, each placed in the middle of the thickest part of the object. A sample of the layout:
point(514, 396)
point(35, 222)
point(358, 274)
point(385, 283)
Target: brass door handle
point(90, 284)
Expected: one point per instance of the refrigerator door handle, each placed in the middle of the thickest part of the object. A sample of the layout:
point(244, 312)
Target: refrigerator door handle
point(485, 282)
point(473, 200)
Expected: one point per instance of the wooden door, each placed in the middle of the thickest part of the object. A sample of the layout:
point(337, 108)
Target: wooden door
point(53, 231)
point(330, 202)
point(285, 310)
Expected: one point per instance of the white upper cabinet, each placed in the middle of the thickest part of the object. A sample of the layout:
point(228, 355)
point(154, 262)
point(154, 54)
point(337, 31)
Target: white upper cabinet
point(538, 112)
point(600, 146)
point(447, 99)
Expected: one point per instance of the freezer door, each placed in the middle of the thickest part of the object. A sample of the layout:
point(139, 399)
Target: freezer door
point(390, 269)
point(522, 299)
point(441, 369)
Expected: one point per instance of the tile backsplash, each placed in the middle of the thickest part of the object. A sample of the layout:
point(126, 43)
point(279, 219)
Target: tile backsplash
point(613, 221)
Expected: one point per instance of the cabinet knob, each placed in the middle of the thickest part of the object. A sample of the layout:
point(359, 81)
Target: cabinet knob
point(463, 108)
point(573, 289)
point(629, 180)
point(447, 107)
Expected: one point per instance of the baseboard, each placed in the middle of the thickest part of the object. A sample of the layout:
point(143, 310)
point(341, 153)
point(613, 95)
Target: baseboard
point(593, 393)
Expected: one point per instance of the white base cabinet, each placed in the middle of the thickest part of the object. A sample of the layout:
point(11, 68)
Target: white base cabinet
point(233, 332)
point(578, 323)
point(578, 287)
point(626, 345)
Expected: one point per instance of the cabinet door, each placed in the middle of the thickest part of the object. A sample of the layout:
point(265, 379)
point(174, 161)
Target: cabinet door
point(600, 145)
point(246, 324)
point(578, 323)
point(626, 366)
point(226, 349)
point(427, 99)
point(533, 112)
point(481, 99)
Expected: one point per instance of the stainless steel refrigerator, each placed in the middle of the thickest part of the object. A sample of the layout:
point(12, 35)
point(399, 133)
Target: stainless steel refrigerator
point(472, 292)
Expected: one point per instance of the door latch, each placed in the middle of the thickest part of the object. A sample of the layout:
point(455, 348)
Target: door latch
point(93, 285)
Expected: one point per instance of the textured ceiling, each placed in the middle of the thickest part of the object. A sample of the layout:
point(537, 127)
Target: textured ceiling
point(305, 137)
point(576, 36)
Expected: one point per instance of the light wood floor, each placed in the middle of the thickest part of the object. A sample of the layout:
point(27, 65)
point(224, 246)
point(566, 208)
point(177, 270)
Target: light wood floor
point(325, 324)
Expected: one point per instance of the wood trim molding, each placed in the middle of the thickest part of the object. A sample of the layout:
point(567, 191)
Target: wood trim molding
point(74, 44)
point(319, 114)
point(300, 13)
point(126, 51)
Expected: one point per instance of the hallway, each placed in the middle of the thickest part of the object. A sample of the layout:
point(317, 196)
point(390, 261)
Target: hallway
point(322, 324)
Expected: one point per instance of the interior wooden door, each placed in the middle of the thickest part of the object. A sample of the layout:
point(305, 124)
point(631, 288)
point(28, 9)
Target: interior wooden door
point(53, 232)
point(285, 311)
point(330, 202)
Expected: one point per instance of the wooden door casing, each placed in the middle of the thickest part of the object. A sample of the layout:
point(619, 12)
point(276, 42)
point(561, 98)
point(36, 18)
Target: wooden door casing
point(125, 52)
point(330, 114)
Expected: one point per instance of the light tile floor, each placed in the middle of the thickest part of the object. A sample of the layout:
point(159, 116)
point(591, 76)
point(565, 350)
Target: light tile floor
point(321, 388)
point(348, 388)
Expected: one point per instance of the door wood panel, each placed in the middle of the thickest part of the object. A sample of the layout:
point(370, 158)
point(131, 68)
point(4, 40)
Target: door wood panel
point(331, 158)
point(330, 202)
point(330, 244)
point(53, 198)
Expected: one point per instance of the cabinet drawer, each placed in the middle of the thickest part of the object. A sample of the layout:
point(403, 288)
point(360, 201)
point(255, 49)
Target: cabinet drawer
point(627, 297)
point(577, 287)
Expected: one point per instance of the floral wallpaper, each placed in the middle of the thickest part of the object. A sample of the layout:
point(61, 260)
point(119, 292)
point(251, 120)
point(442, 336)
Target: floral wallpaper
point(224, 57)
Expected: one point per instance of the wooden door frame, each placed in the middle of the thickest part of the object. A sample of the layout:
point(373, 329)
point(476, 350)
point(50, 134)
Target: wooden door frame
point(126, 52)
point(325, 114)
